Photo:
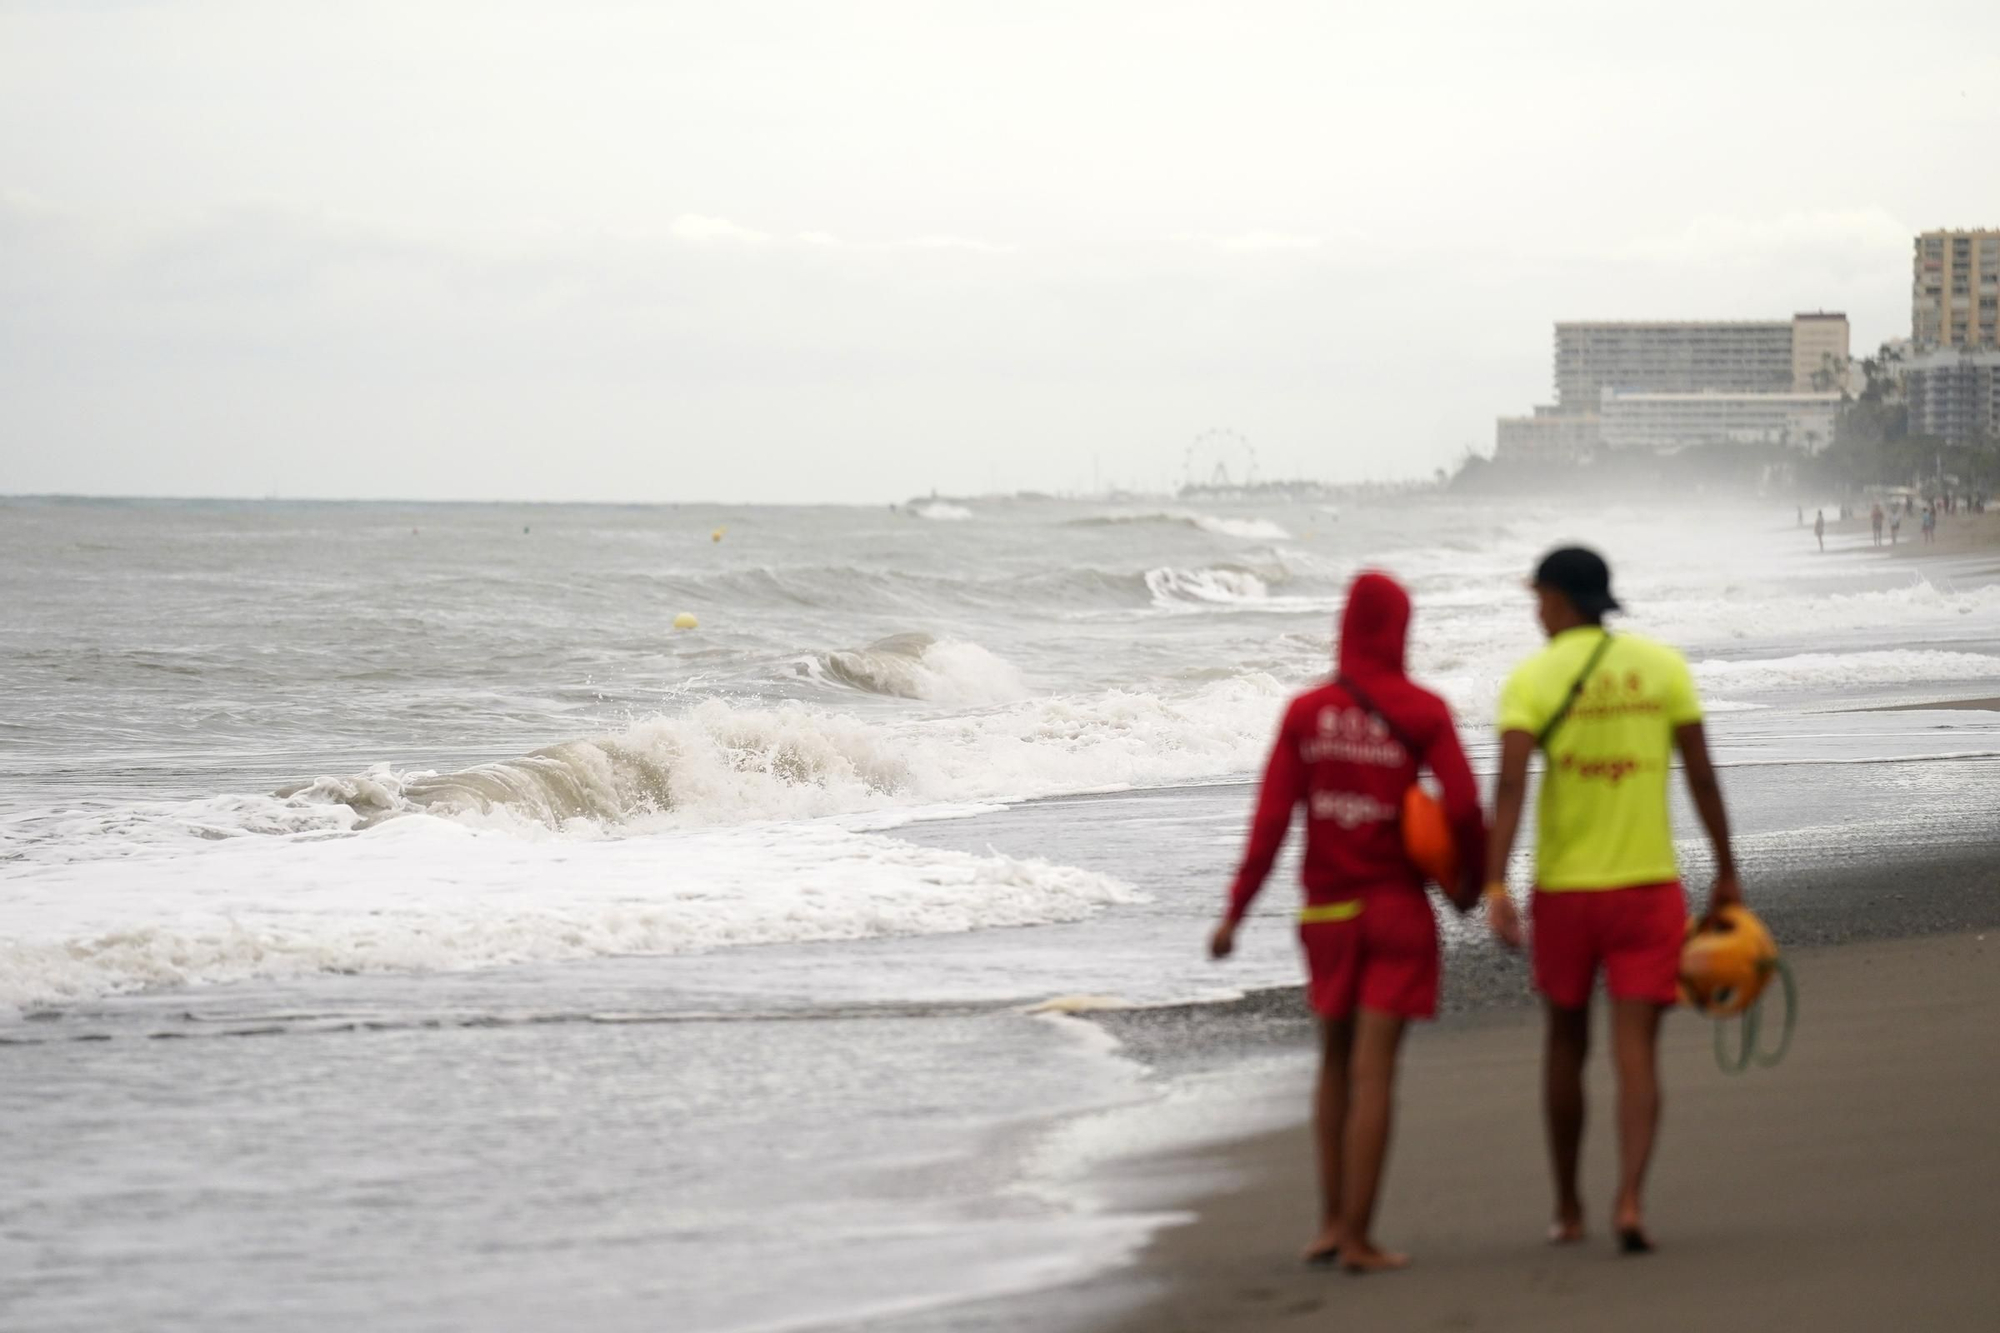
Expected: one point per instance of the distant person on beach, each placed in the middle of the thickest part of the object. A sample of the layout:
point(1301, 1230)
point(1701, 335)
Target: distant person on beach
point(1895, 526)
point(1609, 711)
point(1819, 528)
point(1930, 525)
point(1348, 751)
point(1876, 519)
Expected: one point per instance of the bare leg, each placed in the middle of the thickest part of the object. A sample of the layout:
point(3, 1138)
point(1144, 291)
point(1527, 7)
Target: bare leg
point(1329, 1117)
point(1635, 1037)
point(1372, 1078)
point(1562, 1105)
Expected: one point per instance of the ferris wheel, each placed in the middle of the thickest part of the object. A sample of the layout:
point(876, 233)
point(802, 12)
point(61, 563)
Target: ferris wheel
point(1211, 453)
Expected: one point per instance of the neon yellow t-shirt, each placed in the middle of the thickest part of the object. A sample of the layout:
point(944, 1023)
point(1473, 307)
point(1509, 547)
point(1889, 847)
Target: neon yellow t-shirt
point(1602, 821)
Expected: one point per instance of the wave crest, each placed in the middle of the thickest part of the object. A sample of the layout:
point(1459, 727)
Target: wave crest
point(1820, 672)
point(917, 666)
point(721, 763)
point(714, 764)
point(1248, 529)
point(1177, 589)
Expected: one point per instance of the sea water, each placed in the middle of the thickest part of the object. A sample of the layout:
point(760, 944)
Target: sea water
point(401, 921)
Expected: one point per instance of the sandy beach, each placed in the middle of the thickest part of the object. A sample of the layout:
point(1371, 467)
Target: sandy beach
point(1957, 534)
point(1850, 1188)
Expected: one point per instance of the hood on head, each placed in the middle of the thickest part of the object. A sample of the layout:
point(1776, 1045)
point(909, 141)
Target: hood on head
point(1375, 626)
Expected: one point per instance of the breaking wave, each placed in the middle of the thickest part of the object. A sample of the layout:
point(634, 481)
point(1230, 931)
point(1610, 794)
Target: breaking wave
point(1249, 529)
point(923, 596)
point(1177, 589)
point(1740, 616)
point(1825, 673)
point(722, 763)
point(942, 510)
point(917, 666)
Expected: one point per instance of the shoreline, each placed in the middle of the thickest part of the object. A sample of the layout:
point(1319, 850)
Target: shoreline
point(1988, 705)
point(1871, 950)
point(1810, 906)
point(1848, 1188)
point(1958, 535)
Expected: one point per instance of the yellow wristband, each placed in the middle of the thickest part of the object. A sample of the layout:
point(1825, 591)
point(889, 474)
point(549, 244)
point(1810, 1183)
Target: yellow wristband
point(1496, 891)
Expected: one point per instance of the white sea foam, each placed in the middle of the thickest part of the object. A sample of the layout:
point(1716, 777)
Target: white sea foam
point(721, 763)
point(426, 894)
point(1249, 529)
point(942, 510)
point(1747, 685)
point(1179, 589)
point(1831, 673)
point(1743, 617)
point(724, 763)
point(916, 666)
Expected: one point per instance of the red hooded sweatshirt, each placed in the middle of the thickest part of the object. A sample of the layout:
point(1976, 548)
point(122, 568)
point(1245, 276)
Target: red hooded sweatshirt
point(1351, 771)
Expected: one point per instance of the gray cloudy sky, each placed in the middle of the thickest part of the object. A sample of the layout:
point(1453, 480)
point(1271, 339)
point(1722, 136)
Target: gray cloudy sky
point(853, 251)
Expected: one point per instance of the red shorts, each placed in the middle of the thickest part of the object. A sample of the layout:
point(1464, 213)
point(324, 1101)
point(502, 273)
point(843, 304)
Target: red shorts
point(1383, 957)
point(1635, 933)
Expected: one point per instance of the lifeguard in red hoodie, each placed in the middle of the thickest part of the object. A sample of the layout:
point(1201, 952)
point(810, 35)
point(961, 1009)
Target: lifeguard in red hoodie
point(1349, 751)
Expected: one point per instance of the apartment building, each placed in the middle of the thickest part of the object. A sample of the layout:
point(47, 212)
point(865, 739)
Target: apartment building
point(1820, 356)
point(1670, 422)
point(1954, 395)
point(1671, 356)
point(1955, 289)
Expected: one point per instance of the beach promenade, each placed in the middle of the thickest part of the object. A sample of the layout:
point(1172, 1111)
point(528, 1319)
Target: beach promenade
point(1853, 1187)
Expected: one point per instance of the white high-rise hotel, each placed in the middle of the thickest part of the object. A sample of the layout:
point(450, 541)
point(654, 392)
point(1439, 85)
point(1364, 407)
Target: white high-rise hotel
point(1667, 385)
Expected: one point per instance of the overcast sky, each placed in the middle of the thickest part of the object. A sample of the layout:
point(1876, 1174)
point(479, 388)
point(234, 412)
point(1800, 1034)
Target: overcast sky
point(856, 251)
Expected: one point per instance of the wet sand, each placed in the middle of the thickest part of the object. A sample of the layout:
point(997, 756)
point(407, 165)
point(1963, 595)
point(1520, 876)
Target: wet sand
point(1961, 534)
point(1962, 705)
point(1957, 534)
point(1850, 1188)
point(1842, 865)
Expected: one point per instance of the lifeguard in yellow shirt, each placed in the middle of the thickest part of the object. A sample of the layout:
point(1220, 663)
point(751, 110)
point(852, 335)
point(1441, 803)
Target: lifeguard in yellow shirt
point(1609, 710)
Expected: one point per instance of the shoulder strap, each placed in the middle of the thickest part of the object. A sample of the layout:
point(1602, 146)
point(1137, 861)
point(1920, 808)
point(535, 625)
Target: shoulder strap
point(1575, 692)
point(1411, 748)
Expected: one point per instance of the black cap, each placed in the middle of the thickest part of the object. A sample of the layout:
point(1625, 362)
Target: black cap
point(1581, 575)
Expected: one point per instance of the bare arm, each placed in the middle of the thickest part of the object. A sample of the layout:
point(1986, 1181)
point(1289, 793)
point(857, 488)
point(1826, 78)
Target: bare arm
point(1706, 790)
point(1509, 796)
